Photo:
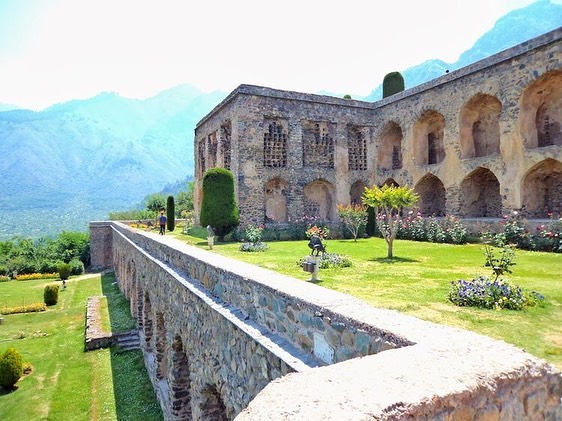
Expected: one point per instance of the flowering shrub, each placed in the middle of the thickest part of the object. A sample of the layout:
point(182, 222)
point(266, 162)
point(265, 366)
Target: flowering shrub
point(4, 278)
point(329, 260)
point(481, 292)
point(436, 230)
point(253, 237)
point(323, 231)
point(30, 276)
point(546, 237)
point(30, 308)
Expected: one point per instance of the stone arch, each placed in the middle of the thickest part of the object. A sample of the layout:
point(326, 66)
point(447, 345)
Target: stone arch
point(390, 150)
point(147, 320)
point(542, 189)
point(429, 132)
point(356, 192)
point(319, 200)
point(160, 348)
point(180, 384)
point(212, 405)
point(275, 192)
point(480, 127)
point(541, 111)
point(390, 182)
point(431, 193)
point(480, 195)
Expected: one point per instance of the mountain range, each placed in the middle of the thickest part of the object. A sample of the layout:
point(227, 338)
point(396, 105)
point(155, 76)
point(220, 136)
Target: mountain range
point(77, 161)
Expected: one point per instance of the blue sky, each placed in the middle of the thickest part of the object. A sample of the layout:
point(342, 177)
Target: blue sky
point(55, 50)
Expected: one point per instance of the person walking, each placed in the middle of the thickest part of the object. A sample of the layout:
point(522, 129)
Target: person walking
point(162, 221)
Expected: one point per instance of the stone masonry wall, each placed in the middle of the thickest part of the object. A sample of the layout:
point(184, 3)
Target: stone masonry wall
point(224, 339)
point(467, 142)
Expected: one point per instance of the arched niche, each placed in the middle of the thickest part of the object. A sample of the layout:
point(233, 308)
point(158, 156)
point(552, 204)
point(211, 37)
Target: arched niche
point(275, 192)
point(541, 111)
point(480, 127)
point(390, 182)
point(390, 149)
point(356, 192)
point(480, 195)
point(431, 193)
point(429, 146)
point(542, 189)
point(319, 200)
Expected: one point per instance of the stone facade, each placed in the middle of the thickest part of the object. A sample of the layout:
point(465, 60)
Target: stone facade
point(223, 339)
point(476, 142)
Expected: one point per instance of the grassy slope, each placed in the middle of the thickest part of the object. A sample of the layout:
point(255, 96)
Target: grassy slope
point(417, 281)
point(66, 382)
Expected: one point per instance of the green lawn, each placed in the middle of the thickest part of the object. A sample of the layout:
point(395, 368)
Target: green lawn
point(67, 383)
point(417, 280)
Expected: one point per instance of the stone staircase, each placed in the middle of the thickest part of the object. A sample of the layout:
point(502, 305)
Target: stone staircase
point(128, 340)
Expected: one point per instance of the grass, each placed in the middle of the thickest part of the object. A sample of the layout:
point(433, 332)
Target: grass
point(66, 382)
point(417, 281)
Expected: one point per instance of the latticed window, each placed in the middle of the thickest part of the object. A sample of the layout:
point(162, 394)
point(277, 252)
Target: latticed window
point(201, 157)
point(275, 146)
point(225, 135)
point(212, 145)
point(318, 144)
point(396, 157)
point(357, 149)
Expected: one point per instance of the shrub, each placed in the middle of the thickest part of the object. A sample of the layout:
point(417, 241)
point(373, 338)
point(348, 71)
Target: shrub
point(31, 276)
point(329, 260)
point(51, 295)
point(64, 270)
point(218, 207)
point(392, 83)
point(76, 267)
point(483, 293)
point(11, 368)
point(4, 278)
point(30, 308)
point(354, 217)
point(251, 247)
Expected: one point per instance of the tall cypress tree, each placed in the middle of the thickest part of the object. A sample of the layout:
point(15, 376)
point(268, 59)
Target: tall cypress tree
point(170, 213)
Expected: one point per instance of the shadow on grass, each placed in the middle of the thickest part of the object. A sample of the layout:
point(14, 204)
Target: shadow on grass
point(132, 387)
point(393, 260)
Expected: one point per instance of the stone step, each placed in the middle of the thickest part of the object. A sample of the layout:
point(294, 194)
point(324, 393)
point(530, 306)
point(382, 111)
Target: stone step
point(128, 340)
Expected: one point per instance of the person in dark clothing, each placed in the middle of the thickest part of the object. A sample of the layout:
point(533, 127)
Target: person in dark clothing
point(162, 221)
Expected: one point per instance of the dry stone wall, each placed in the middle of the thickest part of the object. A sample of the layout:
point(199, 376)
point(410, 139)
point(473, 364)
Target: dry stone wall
point(223, 339)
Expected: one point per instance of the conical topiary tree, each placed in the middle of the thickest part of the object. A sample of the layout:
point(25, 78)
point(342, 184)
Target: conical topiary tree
point(218, 207)
point(11, 368)
point(392, 83)
point(170, 213)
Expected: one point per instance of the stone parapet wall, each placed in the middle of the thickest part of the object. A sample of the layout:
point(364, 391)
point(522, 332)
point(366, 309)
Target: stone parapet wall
point(222, 337)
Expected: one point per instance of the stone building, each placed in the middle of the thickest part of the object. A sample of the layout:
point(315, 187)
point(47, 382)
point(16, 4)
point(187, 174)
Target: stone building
point(476, 142)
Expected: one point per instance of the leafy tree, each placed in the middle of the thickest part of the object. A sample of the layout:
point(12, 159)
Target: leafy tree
point(218, 207)
point(184, 201)
point(388, 201)
point(155, 202)
point(392, 83)
point(170, 213)
point(353, 216)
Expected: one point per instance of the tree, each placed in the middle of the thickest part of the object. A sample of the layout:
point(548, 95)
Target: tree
point(353, 216)
point(218, 207)
point(170, 213)
point(392, 83)
point(155, 202)
point(184, 201)
point(388, 201)
point(11, 368)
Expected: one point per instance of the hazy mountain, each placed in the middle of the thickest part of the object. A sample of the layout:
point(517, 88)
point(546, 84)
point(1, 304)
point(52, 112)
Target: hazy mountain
point(514, 28)
point(77, 161)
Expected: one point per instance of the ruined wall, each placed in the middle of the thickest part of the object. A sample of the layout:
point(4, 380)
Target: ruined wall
point(476, 142)
point(225, 339)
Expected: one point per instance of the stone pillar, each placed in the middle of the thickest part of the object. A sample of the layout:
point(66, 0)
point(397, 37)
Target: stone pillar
point(101, 245)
